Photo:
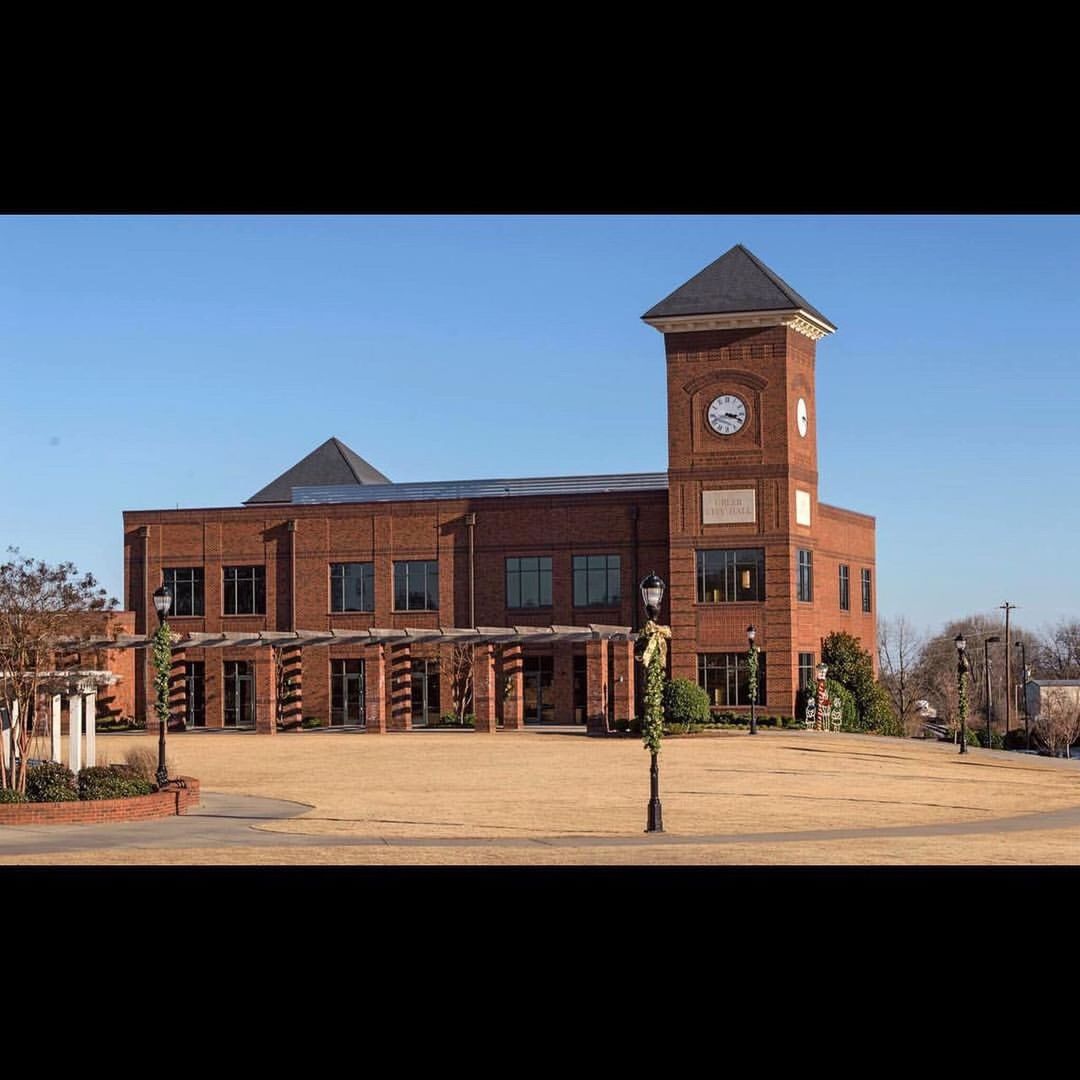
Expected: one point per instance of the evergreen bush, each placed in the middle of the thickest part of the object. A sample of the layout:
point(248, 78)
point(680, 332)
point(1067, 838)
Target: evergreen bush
point(685, 702)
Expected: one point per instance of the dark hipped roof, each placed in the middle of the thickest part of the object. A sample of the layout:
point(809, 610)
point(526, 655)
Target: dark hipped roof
point(331, 463)
point(738, 281)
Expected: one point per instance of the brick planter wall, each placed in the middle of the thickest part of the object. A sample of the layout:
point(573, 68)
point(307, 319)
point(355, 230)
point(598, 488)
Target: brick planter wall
point(104, 811)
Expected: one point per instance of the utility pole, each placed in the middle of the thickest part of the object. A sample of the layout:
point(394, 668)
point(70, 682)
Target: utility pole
point(1008, 664)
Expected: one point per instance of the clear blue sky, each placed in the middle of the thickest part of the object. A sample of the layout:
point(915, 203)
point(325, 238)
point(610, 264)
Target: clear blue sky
point(187, 361)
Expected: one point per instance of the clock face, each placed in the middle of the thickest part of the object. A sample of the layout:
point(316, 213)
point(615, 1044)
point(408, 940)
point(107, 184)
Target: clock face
point(800, 416)
point(727, 414)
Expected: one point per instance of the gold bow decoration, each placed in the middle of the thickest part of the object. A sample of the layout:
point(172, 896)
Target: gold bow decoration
point(656, 637)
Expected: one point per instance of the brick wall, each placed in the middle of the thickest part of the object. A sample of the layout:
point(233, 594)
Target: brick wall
point(104, 811)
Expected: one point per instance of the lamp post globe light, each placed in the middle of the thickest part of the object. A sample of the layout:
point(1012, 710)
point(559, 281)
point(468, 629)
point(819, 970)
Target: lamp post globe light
point(987, 642)
point(962, 668)
point(654, 658)
point(162, 604)
point(751, 664)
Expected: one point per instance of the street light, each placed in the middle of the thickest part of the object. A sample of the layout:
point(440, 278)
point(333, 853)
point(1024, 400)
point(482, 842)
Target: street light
point(652, 593)
point(987, 642)
point(963, 666)
point(751, 661)
point(162, 603)
point(1025, 675)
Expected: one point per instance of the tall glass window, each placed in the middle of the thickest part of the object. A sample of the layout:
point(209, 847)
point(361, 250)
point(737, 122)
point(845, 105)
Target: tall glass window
point(352, 586)
point(597, 581)
point(806, 575)
point(416, 586)
point(726, 679)
point(186, 585)
point(528, 582)
point(866, 590)
point(845, 595)
point(807, 676)
point(245, 590)
point(726, 576)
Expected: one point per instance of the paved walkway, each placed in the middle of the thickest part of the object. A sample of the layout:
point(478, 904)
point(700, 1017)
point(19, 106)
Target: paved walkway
point(224, 821)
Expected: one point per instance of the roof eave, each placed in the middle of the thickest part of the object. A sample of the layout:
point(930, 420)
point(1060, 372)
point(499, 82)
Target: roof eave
point(805, 322)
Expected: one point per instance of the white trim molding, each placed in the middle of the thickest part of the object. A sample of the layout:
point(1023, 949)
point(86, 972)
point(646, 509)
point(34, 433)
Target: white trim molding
point(798, 319)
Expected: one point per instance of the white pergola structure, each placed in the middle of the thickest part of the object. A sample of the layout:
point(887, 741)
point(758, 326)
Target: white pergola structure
point(387, 657)
point(80, 688)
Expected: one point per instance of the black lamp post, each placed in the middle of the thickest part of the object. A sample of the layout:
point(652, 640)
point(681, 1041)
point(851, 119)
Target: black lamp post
point(162, 603)
point(1025, 675)
point(652, 593)
point(751, 633)
point(987, 642)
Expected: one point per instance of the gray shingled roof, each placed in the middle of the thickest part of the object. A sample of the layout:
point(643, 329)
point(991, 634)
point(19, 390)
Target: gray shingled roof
point(331, 463)
point(737, 281)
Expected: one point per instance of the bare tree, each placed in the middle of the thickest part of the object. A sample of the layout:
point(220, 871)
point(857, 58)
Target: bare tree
point(1058, 722)
point(900, 649)
point(1057, 654)
point(40, 605)
point(461, 680)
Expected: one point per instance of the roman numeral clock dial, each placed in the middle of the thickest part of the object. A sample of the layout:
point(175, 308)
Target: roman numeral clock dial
point(727, 414)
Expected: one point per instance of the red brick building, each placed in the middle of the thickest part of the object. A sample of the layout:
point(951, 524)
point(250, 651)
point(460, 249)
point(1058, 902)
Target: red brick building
point(733, 525)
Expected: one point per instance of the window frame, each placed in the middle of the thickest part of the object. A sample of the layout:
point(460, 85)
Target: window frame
point(540, 571)
point(845, 587)
point(731, 566)
point(867, 591)
point(805, 576)
point(427, 564)
point(197, 578)
point(257, 581)
point(587, 571)
point(734, 673)
point(367, 585)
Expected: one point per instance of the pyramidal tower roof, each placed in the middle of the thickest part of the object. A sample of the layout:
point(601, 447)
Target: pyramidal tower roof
point(731, 292)
point(331, 463)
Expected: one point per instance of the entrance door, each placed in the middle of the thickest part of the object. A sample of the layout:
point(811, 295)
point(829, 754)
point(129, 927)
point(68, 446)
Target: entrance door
point(239, 696)
point(539, 695)
point(346, 693)
point(425, 692)
point(194, 691)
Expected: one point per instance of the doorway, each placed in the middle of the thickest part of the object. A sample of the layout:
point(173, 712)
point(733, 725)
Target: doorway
point(239, 696)
point(346, 693)
point(539, 695)
point(425, 692)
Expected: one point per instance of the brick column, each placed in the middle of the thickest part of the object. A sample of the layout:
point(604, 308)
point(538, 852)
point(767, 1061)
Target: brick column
point(375, 689)
point(513, 704)
point(596, 687)
point(292, 710)
point(623, 652)
point(265, 691)
point(400, 688)
point(178, 685)
point(484, 686)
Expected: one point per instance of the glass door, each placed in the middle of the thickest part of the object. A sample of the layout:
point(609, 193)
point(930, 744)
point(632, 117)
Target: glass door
point(194, 692)
point(538, 690)
point(425, 692)
point(346, 693)
point(239, 696)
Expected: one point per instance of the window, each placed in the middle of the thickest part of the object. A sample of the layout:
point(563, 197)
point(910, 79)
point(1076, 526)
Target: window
point(806, 575)
point(866, 590)
point(352, 586)
point(596, 581)
point(186, 585)
point(807, 674)
point(727, 576)
point(528, 582)
point(725, 678)
point(245, 590)
point(416, 586)
point(845, 597)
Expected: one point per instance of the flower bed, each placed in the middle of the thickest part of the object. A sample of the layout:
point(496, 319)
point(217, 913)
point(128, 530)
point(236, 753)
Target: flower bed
point(167, 803)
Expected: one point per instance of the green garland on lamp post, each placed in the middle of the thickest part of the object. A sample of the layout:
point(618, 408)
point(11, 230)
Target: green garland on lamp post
point(752, 678)
point(962, 668)
point(161, 657)
point(654, 638)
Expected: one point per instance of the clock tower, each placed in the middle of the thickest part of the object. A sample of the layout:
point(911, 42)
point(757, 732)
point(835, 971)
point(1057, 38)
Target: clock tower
point(745, 532)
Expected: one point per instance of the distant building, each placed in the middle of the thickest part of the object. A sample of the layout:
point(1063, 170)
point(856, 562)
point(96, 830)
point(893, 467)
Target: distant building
point(732, 523)
point(1041, 691)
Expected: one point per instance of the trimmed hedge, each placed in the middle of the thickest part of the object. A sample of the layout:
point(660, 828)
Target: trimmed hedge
point(101, 782)
point(51, 782)
point(685, 702)
point(11, 795)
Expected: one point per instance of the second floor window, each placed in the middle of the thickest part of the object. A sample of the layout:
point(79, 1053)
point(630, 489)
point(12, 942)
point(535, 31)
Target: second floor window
point(528, 582)
point(845, 595)
point(806, 575)
point(725, 576)
point(416, 586)
point(866, 590)
point(596, 581)
point(245, 590)
point(186, 585)
point(352, 586)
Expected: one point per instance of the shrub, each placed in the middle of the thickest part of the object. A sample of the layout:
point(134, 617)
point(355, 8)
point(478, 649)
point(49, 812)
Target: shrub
point(451, 720)
point(997, 740)
point(311, 722)
point(142, 761)
point(11, 795)
point(99, 782)
point(50, 782)
point(685, 702)
point(1017, 739)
